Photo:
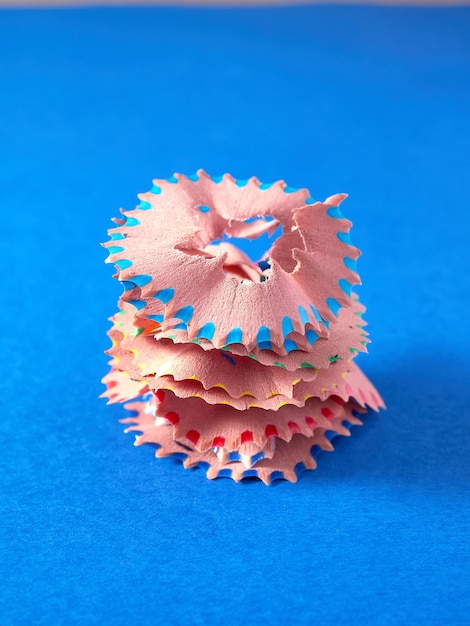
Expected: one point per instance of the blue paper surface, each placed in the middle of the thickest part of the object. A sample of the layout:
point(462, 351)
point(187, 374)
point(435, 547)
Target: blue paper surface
point(94, 104)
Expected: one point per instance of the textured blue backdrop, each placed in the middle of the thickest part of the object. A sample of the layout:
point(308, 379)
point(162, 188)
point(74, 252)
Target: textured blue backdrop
point(93, 104)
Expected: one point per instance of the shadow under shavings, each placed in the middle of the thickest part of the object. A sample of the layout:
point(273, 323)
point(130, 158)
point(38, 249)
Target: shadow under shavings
point(423, 437)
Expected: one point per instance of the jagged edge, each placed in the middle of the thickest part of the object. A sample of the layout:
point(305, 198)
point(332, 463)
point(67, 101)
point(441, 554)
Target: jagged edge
point(275, 475)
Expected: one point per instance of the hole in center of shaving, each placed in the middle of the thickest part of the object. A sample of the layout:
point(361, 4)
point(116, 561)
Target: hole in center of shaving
point(247, 245)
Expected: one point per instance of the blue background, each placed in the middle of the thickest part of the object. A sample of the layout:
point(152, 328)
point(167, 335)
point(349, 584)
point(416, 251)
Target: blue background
point(96, 103)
